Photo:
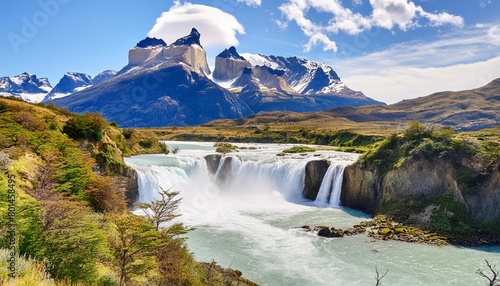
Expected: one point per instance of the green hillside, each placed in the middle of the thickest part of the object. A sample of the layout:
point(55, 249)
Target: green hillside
point(63, 193)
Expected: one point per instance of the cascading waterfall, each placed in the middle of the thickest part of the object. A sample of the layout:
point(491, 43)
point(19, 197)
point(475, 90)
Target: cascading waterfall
point(244, 220)
point(239, 174)
point(331, 186)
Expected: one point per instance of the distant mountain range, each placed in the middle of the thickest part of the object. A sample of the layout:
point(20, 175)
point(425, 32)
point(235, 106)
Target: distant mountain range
point(26, 86)
point(462, 110)
point(173, 85)
point(30, 88)
point(466, 110)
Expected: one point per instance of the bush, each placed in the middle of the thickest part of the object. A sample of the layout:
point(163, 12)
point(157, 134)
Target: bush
point(222, 147)
point(299, 149)
point(128, 133)
point(89, 126)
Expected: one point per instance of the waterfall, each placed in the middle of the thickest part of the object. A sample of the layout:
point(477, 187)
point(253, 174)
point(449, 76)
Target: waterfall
point(257, 176)
point(331, 186)
point(337, 186)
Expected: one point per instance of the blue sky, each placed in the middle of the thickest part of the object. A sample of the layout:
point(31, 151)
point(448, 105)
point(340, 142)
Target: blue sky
point(389, 49)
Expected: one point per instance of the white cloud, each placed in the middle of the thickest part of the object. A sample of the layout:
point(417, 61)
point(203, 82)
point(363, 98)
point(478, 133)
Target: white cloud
point(320, 38)
point(386, 14)
point(251, 2)
point(442, 19)
point(398, 83)
point(464, 60)
point(494, 35)
point(484, 3)
point(217, 28)
point(357, 2)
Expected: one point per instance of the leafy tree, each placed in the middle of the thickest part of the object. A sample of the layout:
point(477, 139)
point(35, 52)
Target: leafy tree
point(105, 196)
point(133, 241)
point(68, 236)
point(161, 210)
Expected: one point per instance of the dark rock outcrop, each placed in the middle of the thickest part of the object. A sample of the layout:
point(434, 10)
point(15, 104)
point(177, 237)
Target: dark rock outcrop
point(224, 173)
point(192, 39)
point(314, 173)
point(151, 42)
point(132, 186)
point(213, 161)
point(231, 53)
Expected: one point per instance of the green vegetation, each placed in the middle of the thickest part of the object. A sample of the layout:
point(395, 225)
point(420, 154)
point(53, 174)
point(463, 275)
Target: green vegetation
point(417, 140)
point(73, 224)
point(299, 149)
point(222, 147)
point(471, 162)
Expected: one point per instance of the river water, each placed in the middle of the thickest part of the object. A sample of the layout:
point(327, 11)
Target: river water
point(246, 217)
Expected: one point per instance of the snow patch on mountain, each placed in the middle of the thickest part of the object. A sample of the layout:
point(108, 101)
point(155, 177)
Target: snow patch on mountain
point(260, 60)
point(26, 86)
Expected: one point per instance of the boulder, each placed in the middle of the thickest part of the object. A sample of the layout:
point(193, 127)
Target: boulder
point(314, 173)
point(213, 161)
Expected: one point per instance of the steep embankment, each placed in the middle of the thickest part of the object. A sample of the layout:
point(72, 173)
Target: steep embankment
point(428, 178)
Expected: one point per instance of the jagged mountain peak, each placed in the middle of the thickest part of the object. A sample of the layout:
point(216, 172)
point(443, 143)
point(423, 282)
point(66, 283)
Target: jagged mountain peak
point(192, 39)
point(103, 76)
point(231, 53)
point(26, 86)
point(69, 83)
point(151, 42)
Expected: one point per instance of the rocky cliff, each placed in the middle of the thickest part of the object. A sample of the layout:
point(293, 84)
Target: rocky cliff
point(161, 85)
point(229, 65)
point(423, 183)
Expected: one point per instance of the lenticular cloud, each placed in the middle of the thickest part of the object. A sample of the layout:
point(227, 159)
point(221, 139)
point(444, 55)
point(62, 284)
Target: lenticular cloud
point(218, 29)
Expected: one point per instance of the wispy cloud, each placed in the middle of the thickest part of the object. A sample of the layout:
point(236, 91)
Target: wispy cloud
point(218, 29)
point(398, 83)
point(251, 2)
point(386, 14)
point(466, 59)
point(460, 47)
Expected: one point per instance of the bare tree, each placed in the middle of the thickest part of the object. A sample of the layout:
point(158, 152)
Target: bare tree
point(379, 278)
point(493, 280)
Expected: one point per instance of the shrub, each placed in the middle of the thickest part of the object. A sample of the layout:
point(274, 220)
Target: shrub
point(128, 133)
point(299, 149)
point(222, 147)
point(89, 126)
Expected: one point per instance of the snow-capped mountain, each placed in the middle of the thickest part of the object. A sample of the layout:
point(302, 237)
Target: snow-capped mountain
point(150, 53)
point(161, 85)
point(268, 83)
point(71, 82)
point(173, 85)
point(305, 76)
point(228, 64)
point(26, 86)
point(103, 76)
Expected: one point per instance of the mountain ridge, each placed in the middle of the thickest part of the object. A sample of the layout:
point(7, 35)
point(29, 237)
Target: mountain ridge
point(191, 94)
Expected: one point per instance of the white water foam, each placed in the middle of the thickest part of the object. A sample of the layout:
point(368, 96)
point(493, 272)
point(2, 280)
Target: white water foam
point(249, 223)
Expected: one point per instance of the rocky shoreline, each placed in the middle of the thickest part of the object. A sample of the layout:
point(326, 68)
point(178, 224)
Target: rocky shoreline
point(383, 228)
